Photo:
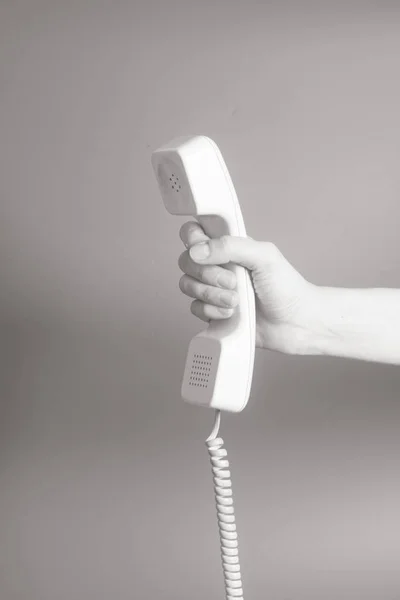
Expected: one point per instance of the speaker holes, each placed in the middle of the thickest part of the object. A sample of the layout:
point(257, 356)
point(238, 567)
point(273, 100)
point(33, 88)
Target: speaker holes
point(200, 372)
point(175, 183)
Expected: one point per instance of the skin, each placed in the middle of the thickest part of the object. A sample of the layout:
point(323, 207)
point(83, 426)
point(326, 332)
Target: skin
point(293, 316)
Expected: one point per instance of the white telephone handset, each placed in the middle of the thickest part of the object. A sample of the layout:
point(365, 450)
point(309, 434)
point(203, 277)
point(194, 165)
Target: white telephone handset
point(194, 180)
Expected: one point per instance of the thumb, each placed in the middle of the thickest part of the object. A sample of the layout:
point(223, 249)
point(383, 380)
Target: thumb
point(244, 251)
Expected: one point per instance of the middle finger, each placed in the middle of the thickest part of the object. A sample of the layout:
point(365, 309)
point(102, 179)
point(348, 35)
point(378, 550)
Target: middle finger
point(208, 274)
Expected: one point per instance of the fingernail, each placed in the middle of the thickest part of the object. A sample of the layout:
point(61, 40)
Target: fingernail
point(201, 250)
point(228, 299)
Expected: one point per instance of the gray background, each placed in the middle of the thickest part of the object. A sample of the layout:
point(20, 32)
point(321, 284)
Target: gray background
point(105, 487)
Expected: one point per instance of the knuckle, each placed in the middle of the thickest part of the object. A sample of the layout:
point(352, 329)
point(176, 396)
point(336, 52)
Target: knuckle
point(197, 271)
point(185, 230)
point(272, 250)
point(208, 311)
point(197, 309)
point(188, 266)
point(210, 275)
point(206, 295)
point(224, 241)
point(182, 233)
point(194, 309)
point(183, 261)
point(183, 284)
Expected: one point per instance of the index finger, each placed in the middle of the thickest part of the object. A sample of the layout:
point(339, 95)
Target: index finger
point(192, 233)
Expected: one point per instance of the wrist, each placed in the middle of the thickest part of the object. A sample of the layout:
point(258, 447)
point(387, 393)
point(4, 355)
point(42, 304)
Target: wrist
point(362, 324)
point(313, 333)
point(304, 332)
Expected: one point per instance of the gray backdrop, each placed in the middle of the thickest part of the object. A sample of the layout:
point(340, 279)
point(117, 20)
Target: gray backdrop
point(105, 484)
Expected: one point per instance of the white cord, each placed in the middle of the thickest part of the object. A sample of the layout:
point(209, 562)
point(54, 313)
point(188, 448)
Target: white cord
point(225, 513)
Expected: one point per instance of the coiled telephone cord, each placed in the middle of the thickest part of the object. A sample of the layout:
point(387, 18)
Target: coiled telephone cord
point(225, 513)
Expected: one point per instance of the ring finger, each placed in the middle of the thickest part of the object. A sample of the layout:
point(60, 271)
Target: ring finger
point(207, 293)
point(208, 312)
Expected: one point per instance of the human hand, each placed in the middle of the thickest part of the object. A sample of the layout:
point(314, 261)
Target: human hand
point(283, 297)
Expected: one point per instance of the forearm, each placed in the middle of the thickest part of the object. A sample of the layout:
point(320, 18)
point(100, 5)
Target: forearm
point(362, 324)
